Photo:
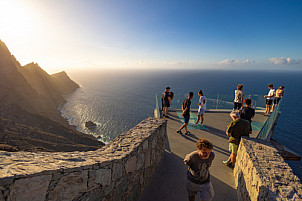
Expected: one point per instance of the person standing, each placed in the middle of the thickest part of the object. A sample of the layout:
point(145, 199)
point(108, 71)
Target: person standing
point(269, 98)
point(247, 112)
point(236, 129)
point(238, 97)
point(202, 106)
point(198, 175)
point(186, 113)
point(279, 95)
point(166, 101)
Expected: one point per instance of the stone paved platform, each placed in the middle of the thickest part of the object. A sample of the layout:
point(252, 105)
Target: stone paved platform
point(168, 180)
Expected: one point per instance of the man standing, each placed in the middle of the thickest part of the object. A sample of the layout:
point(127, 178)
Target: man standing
point(186, 113)
point(236, 128)
point(269, 98)
point(198, 175)
point(166, 101)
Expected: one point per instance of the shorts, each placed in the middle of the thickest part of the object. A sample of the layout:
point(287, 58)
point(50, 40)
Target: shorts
point(201, 111)
point(166, 104)
point(237, 105)
point(277, 100)
point(269, 102)
point(233, 148)
point(206, 190)
point(187, 118)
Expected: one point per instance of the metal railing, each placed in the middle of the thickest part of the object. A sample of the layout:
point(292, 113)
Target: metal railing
point(214, 101)
point(267, 130)
point(225, 102)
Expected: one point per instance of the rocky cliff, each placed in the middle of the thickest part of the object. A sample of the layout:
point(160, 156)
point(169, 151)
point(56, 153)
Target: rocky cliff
point(29, 99)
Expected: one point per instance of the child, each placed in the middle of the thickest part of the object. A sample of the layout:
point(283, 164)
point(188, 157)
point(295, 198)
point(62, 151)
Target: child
point(201, 109)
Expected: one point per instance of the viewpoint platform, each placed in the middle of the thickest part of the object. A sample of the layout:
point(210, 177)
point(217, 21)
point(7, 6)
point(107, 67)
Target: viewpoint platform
point(168, 182)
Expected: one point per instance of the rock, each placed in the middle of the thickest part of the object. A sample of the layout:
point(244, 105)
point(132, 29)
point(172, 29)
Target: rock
point(90, 124)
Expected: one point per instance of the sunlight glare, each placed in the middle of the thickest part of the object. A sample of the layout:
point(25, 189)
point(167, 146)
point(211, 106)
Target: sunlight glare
point(15, 17)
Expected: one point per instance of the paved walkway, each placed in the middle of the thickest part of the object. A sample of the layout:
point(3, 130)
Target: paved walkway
point(168, 180)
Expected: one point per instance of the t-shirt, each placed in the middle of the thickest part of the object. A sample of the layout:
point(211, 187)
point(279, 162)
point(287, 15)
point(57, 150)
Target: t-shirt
point(186, 104)
point(247, 113)
point(198, 171)
point(238, 96)
point(203, 101)
point(238, 128)
point(270, 93)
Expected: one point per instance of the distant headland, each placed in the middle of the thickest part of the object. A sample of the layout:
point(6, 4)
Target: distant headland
point(29, 119)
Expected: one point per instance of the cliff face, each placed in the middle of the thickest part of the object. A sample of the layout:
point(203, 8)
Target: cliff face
point(36, 94)
point(64, 83)
point(42, 83)
point(31, 88)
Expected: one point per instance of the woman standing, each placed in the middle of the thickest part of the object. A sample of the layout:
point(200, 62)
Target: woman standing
point(238, 97)
point(201, 108)
point(279, 95)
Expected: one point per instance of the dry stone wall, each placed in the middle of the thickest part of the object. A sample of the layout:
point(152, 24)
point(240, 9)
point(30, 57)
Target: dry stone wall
point(117, 171)
point(261, 173)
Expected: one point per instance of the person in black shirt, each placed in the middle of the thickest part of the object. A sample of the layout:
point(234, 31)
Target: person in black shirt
point(166, 101)
point(186, 113)
point(247, 112)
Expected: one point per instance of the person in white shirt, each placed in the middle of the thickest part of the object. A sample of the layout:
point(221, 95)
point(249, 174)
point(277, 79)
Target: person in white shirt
point(202, 106)
point(269, 99)
point(239, 95)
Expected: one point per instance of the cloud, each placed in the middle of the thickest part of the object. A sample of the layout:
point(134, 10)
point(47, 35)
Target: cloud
point(235, 62)
point(283, 60)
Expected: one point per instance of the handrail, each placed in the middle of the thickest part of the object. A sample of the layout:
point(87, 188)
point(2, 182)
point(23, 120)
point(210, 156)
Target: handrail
point(267, 130)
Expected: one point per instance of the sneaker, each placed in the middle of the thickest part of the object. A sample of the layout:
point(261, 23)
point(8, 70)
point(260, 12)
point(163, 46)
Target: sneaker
point(179, 132)
point(188, 133)
point(226, 162)
point(231, 166)
point(194, 124)
point(200, 124)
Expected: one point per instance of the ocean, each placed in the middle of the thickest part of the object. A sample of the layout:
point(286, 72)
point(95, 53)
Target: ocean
point(117, 100)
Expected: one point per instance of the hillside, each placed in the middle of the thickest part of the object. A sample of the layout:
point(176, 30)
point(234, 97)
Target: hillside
point(29, 99)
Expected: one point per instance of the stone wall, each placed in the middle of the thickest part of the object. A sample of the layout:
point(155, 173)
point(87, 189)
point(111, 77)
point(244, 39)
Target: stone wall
point(117, 171)
point(261, 173)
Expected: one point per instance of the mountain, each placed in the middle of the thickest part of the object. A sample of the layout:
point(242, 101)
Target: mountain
point(29, 98)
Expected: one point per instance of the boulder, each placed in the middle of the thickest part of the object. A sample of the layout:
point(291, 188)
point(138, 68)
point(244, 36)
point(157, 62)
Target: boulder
point(90, 124)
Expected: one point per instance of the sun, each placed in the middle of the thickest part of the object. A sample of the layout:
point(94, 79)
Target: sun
point(15, 18)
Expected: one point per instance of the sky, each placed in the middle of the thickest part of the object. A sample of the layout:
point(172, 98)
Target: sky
point(188, 34)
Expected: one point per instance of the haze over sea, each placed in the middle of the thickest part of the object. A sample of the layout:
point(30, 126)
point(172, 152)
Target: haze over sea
point(119, 99)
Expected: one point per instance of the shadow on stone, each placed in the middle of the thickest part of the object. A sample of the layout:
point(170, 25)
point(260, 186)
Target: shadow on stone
point(168, 182)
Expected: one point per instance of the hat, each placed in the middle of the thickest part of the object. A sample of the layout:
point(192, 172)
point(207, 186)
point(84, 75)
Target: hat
point(167, 87)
